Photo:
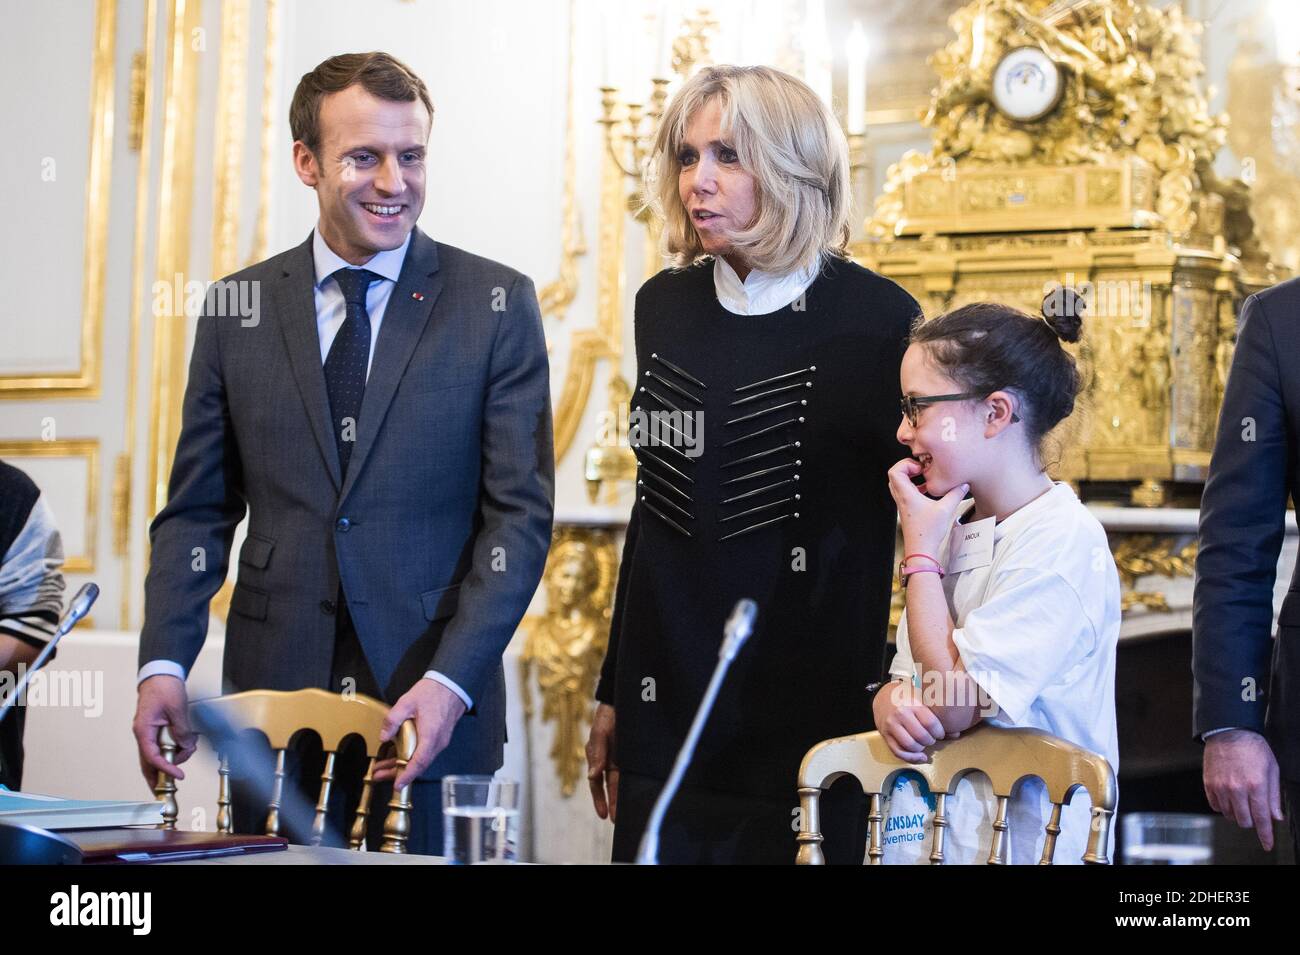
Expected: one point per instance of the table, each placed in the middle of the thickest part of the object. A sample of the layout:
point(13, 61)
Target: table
point(315, 855)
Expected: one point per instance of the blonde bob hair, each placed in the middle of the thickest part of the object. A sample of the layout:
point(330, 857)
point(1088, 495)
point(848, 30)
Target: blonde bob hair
point(786, 138)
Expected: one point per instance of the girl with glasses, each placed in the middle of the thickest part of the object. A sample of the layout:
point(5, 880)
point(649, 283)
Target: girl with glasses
point(1013, 606)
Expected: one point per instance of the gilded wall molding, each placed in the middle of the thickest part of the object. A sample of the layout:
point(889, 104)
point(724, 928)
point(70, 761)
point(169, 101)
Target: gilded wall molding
point(124, 470)
point(555, 297)
point(270, 109)
point(588, 346)
point(85, 382)
point(175, 204)
point(228, 140)
point(87, 448)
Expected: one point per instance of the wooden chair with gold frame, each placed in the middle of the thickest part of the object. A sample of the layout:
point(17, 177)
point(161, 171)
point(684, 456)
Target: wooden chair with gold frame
point(1004, 755)
point(280, 715)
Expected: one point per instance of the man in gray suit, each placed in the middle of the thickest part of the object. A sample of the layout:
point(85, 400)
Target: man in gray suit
point(385, 420)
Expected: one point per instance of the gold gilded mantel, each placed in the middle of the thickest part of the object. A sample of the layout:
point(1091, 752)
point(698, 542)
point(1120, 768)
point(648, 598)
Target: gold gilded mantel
point(1154, 336)
point(1111, 190)
point(952, 199)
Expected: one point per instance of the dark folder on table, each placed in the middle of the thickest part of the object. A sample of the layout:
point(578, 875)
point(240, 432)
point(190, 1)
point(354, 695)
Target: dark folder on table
point(121, 845)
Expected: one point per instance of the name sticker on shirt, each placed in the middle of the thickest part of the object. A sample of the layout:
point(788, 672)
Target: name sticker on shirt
point(970, 546)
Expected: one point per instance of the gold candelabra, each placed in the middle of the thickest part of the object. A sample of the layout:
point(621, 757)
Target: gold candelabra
point(629, 129)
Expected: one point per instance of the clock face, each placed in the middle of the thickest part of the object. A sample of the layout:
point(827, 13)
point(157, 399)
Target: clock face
point(1026, 84)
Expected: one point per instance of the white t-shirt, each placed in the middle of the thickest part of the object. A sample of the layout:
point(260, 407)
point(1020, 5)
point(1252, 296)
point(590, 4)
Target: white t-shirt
point(1037, 628)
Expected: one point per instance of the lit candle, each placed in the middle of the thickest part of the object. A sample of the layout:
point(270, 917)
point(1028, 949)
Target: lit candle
point(856, 49)
point(816, 51)
point(606, 41)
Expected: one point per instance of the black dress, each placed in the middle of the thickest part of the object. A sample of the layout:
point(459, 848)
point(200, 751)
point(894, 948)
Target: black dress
point(785, 500)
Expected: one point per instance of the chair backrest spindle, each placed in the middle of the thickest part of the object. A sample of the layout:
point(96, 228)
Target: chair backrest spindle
point(1003, 755)
point(279, 715)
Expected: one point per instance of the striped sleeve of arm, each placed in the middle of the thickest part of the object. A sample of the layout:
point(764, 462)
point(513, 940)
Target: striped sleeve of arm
point(31, 579)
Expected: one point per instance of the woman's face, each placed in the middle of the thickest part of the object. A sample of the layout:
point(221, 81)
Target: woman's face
point(720, 197)
point(948, 438)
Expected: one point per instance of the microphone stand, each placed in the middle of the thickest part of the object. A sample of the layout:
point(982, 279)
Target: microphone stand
point(737, 630)
point(31, 845)
point(78, 608)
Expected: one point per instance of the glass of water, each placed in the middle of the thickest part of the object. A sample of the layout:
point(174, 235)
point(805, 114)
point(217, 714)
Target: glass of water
point(1168, 838)
point(480, 818)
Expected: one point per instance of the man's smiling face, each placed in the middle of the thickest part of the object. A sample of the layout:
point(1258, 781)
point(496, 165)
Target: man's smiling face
point(369, 171)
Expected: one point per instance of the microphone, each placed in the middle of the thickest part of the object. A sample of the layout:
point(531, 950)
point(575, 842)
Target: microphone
point(78, 607)
point(29, 844)
point(738, 628)
point(736, 631)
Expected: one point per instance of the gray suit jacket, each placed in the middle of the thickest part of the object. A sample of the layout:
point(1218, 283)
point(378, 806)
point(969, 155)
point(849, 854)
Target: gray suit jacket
point(437, 536)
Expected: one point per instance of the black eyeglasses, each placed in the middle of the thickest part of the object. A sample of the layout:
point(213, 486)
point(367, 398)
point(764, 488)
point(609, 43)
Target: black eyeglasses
point(912, 404)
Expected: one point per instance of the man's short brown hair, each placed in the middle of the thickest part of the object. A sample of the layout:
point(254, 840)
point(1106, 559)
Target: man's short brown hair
point(378, 73)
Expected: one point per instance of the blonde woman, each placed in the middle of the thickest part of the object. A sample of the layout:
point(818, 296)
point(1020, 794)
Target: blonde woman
point(764, 416)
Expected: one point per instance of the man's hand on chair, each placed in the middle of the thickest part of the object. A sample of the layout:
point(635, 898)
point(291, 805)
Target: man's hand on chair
point(435, 710)
point(161, 701)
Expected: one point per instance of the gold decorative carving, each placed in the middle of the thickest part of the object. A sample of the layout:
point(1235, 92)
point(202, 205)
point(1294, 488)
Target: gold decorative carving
point(1160, 317)
point(691, 47)
point(85, 383)
point(556, 296)
point(629, 128)
point(605, 341)
point(953, 199)
point(1149, 494)
point(565, 646)
point(139, 77)
point(1113, 192)
point(121, 503)
point(612, 460)
point(1131, 91)
point(1140, 555)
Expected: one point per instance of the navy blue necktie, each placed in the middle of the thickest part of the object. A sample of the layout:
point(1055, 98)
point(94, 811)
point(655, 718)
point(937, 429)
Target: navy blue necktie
point(348, 359)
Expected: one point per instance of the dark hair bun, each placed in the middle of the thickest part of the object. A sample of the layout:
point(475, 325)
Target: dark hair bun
point(1063, 310)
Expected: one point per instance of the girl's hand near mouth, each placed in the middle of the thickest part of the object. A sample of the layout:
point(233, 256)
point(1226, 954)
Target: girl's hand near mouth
point(926, 522)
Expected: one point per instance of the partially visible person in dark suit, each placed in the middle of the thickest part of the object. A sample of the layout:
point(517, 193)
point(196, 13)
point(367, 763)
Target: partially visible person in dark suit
point(385, 423)
point(31, 598)
point(1247, 683)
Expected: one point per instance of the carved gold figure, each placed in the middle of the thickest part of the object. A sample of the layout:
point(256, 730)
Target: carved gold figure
point(566, 645)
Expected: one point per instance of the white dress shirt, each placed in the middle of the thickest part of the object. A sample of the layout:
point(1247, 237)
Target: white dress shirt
point(331, 310)
point(761, 293)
